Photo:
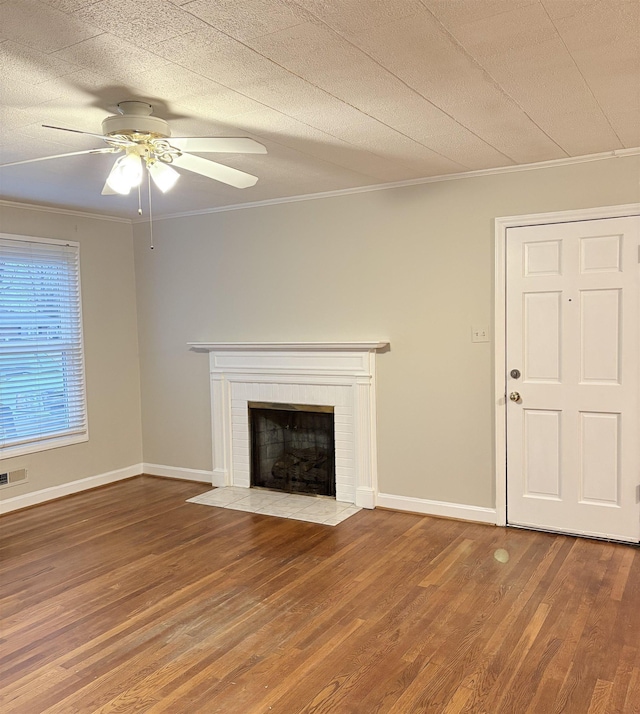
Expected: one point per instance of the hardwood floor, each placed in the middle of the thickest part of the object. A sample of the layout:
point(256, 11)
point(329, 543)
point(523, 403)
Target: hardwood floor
point(127, 599)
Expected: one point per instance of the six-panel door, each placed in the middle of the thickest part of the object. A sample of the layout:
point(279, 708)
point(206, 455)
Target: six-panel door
point(572, 332)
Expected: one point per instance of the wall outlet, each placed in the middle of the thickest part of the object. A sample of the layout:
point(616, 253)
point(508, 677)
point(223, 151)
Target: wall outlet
point(479, 334)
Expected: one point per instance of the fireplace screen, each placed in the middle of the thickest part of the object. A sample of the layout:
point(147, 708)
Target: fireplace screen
point(292, 448)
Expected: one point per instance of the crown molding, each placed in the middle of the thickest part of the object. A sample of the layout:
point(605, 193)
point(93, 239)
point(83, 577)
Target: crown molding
point(569, 161)
point(63, 211)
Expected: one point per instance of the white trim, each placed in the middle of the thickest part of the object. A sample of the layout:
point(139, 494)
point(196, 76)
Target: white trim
point(42, 444)
point(40, 239)
point(80, 433)
point(500, 369)
point(337, 374)
point(443, 509)
point(63, 211)
point(569, 161)
point(65, 489)
point(365, 497)
point(199, 475)
point(499, 343)
point(288, 346)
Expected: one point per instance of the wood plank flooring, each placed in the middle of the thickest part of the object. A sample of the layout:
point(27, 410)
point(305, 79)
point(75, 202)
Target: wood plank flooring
point(127, 599)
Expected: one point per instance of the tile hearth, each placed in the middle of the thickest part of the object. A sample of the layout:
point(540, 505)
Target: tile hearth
point(299, 507)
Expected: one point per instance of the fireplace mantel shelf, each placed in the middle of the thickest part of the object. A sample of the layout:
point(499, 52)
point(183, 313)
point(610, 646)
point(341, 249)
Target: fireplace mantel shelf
point(289, 346)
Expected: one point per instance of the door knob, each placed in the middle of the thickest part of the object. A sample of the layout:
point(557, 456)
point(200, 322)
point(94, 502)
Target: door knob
point(514, 396)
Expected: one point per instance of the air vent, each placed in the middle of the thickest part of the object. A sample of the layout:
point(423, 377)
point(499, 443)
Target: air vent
point(9, 478)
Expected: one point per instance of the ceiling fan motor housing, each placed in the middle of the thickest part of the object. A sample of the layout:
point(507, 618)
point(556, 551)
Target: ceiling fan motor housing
point(135, 118)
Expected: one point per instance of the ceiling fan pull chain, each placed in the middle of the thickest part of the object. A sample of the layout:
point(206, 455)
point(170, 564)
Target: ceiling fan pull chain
point(150, 211)
point(139, 202)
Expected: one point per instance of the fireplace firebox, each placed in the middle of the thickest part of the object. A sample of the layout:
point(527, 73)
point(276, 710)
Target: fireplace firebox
point(293, 448)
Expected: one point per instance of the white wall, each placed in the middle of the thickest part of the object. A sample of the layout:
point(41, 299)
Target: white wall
point(111, 351)
point(413, 265)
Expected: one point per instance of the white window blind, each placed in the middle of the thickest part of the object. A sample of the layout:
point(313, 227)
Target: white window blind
point(42, 385)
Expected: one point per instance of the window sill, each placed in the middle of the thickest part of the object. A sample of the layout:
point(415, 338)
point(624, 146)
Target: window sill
point(57, 442)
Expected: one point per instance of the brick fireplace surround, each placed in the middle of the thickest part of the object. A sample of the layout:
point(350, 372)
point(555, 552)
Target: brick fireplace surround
point(336, 374)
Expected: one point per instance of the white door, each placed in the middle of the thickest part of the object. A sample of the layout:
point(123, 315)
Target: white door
point(572, 333)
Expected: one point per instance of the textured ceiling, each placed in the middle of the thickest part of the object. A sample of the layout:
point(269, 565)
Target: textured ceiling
point(344, 93)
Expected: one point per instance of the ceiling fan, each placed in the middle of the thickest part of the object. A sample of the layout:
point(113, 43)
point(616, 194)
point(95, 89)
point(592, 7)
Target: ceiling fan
point(145, 141)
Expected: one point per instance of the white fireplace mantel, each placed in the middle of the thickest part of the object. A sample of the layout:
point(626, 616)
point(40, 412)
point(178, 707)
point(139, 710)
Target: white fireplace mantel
point(337, 374)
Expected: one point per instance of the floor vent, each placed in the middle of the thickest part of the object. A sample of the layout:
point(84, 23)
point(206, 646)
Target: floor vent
point(9, 478)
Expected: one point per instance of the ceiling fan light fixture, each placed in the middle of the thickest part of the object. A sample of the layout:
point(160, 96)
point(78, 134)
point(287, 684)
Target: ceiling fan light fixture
point(145, 142)
point(126, 173)
point(163, 175)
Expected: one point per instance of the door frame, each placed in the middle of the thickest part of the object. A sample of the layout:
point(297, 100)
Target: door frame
point(499, 330)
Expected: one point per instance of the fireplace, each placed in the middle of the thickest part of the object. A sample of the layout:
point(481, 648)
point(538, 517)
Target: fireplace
point(340, 375)
point(292, 448)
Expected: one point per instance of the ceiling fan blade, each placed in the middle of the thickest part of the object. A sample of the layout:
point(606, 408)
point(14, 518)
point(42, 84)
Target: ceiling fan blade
point(216, 144)
point(215, 171)
point(112, 139)
point(110, 150)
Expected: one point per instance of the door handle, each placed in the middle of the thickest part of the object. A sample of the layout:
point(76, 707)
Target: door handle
point(514, 396)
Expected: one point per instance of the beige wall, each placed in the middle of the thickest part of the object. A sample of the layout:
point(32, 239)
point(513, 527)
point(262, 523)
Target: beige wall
point(412, 265)
point(111, 350)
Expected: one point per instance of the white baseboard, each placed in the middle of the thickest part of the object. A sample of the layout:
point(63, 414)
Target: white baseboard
point(178, 472)
point(65, 489)
point(384, 500)
point(460, 511)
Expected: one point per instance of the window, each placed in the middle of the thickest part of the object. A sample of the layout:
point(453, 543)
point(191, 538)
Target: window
point(42, 390)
